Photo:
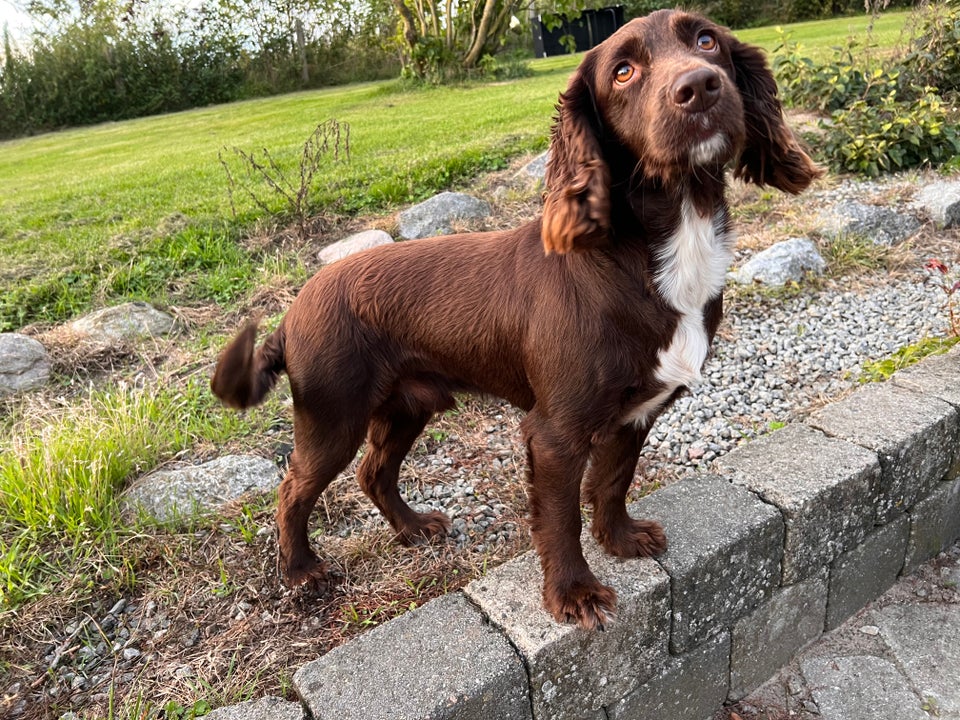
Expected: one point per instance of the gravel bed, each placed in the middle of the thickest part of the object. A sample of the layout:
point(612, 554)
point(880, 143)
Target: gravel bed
point(785, 356)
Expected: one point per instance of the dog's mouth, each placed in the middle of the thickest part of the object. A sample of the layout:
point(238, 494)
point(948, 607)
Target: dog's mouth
point(712, 148)
point(707, 135)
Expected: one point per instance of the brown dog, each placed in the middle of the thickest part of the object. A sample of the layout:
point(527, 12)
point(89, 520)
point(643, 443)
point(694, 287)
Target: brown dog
point(591, 319)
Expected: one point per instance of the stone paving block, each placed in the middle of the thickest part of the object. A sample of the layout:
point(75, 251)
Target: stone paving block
point(266, 708)
point(692, 687)
point(934, 525)
point(724, 547)
point(861, 687)
point(827, 490)
point(574, 672)
point(766, 640)
point(913, 435)
point(864, 573)
point(925, 641)
point(938, 377)
point(439, 661)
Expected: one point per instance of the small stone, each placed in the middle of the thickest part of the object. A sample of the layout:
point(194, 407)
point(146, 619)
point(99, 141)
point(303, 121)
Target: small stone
point(354, 244)
point(871, 630)
point(24, 363)
point(131, 653)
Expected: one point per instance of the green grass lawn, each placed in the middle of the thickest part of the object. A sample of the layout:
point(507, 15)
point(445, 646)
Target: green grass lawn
point(91, 215)
point(818, 38)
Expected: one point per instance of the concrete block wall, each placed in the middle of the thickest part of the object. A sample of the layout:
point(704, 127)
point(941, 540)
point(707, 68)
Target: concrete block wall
point(793, 533)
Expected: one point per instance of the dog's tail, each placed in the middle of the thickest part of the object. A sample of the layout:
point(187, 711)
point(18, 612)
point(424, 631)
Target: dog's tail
point(245, 375)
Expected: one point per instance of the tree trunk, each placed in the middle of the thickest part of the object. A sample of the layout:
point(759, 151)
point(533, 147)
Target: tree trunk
point(409, 24)
point(480, 38)
point(302, 47)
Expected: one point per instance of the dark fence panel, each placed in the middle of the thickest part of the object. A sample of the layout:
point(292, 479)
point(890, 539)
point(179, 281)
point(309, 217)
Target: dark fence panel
point(589, 29)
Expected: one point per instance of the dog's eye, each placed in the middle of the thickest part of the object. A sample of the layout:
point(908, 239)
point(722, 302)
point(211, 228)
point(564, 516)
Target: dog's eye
point(624, 72)
point(707, 42)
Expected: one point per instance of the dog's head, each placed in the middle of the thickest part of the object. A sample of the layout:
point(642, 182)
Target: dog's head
point(679, 96)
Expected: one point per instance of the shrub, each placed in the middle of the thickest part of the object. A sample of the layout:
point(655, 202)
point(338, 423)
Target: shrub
point(885, 113)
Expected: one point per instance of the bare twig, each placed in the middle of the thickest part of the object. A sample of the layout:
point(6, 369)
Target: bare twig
point(330, 136)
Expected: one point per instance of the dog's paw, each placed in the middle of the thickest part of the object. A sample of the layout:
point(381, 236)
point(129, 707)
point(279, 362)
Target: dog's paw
point(424, 527)
point(590, 605)
point(309, 571)
point(632, 538)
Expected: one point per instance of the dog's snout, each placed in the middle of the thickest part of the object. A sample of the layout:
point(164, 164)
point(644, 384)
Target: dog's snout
point(697, 90)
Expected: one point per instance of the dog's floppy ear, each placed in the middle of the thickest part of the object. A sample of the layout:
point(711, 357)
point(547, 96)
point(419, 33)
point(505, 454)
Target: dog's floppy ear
point(771, 154)
point(576, 209)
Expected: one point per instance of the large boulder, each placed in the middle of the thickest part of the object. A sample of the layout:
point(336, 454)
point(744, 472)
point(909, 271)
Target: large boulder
point(437, 215)
point(167, 495)
point(790, 260)
point(24, 363)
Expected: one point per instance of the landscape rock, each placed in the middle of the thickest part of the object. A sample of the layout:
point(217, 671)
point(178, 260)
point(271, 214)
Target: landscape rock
point(880, 225)
point(941, 201)
point(787, 261)
point(354, 244)
point(167, 495)
point(536, 169)
point(266, 708)
point(437, 215)
point(123, 322)
point(24, 363)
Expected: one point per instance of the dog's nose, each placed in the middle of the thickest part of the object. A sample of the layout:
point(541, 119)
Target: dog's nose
point(697, 90)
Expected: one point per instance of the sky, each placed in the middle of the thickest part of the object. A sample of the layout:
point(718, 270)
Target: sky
point(13, 18)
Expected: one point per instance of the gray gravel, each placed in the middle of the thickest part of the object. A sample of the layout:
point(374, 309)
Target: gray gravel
point(785, 355)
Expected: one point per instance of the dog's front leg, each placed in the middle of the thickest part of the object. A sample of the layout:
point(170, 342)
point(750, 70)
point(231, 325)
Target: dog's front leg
point(612, 467)
point(571, 592)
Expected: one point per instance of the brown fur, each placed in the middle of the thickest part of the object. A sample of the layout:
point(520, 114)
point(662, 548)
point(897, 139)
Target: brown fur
point(561, 316)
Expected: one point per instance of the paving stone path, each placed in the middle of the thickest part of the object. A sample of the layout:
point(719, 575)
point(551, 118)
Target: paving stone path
point(897, 659)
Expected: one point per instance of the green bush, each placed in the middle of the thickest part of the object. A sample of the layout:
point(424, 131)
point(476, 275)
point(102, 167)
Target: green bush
point(933, 58)
point(871, 137)
point(886, 113)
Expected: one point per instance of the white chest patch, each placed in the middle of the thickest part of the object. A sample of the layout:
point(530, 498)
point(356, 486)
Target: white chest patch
point(692, 270)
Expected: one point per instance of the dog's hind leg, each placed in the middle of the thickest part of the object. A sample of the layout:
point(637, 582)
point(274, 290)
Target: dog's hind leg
point(611, 471)
point(321, 450)
point(393, 429)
